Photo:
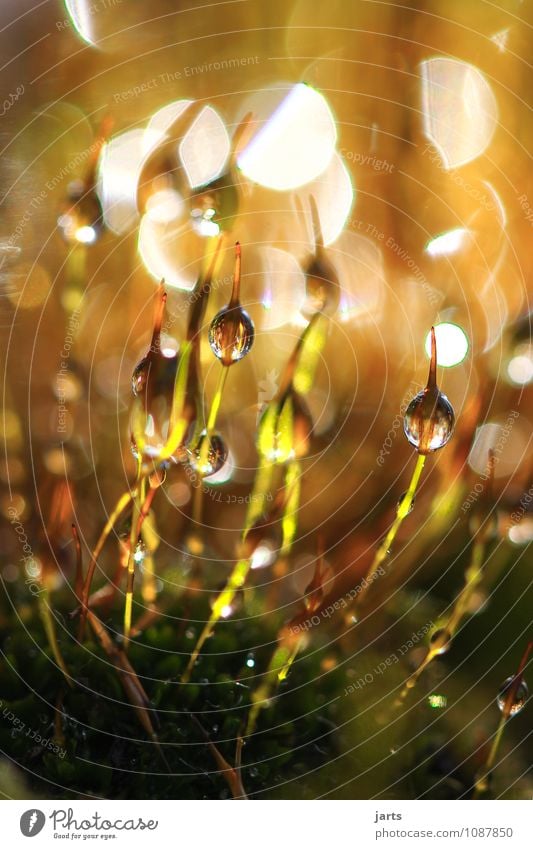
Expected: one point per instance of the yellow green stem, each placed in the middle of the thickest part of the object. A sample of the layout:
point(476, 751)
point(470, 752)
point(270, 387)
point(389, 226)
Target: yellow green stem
point(217, 399)
point(226, 597)
point(403, 510)
point(473, 577)
point(49, 627)
point(278, 669)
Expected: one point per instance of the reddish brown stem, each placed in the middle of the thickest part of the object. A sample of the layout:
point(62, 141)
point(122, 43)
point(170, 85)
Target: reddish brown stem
point(235, 292)
point(432, 376)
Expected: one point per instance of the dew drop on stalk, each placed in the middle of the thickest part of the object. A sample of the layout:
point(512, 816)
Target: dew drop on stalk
point(214, 207)
point(134, 448)
point(440, 641)
point(207, 459)
point(231, 333)
point(321, 281)
point(400, 501)
point(429, 419)
point(140, 553)
point(520, 695)
point(139, 378)
point(80, 218)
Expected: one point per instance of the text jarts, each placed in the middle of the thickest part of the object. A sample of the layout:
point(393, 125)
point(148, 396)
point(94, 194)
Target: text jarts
point(381, 817)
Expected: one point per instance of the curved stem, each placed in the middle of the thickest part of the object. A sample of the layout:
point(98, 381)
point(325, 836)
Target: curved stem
point(141, 509)
point(120, 506)
point(403, 510)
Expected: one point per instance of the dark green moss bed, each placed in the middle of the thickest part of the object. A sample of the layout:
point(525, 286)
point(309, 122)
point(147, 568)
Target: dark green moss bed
point(96, 746)
point(320, 736)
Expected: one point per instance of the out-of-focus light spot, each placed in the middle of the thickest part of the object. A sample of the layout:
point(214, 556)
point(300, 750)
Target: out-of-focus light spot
point(334, 196)
point(67, 386)
point(502, 214)
point(56, 461)
point(250, 662)
point(263, 556)
point(205, 148)
point(161, 121)
point(26, 285)
point(164, 206)
point(358, 262)
point(86, 235)
point(202, 222)
point(282, 288)
point(520, 366)
point(226, 611)
point(522, 533)
point(80, 14)
point(294, 145)
point(508, 439)
point(500, 39)
point(460, 112)
point(168, 346)
point(447, 243)
point(118, 175)
point(452, 344)
point(33, 568)
point(159, 247)
point(179, 494)
point(437, 701)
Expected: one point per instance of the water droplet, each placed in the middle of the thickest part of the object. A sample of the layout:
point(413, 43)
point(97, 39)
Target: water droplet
point(393, 750)
point(140, 553)
point(80, 219)
point(519, 698)
point(139, 378)
point(321, 281)
point(214, 207)
point(209, 454)
point(429, 420)
point(440, 641)
point(411, 506)
point(134, 448)
point(250, 660)
point(231, 334)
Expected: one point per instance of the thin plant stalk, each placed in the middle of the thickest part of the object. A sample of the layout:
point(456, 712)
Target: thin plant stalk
point(402, 511)
point(482, 781)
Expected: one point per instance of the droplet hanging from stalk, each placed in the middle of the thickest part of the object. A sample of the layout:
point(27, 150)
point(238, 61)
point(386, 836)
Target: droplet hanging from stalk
point(80, 219)
point(231, 333)
point(321, 280)
point(429, 419)
point(518, 698)
point(214, 207)
point(153, 389)
point(511, 698)
point(208, 455)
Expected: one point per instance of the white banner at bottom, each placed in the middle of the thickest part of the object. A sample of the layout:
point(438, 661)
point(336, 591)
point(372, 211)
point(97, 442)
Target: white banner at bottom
point(267, 825)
